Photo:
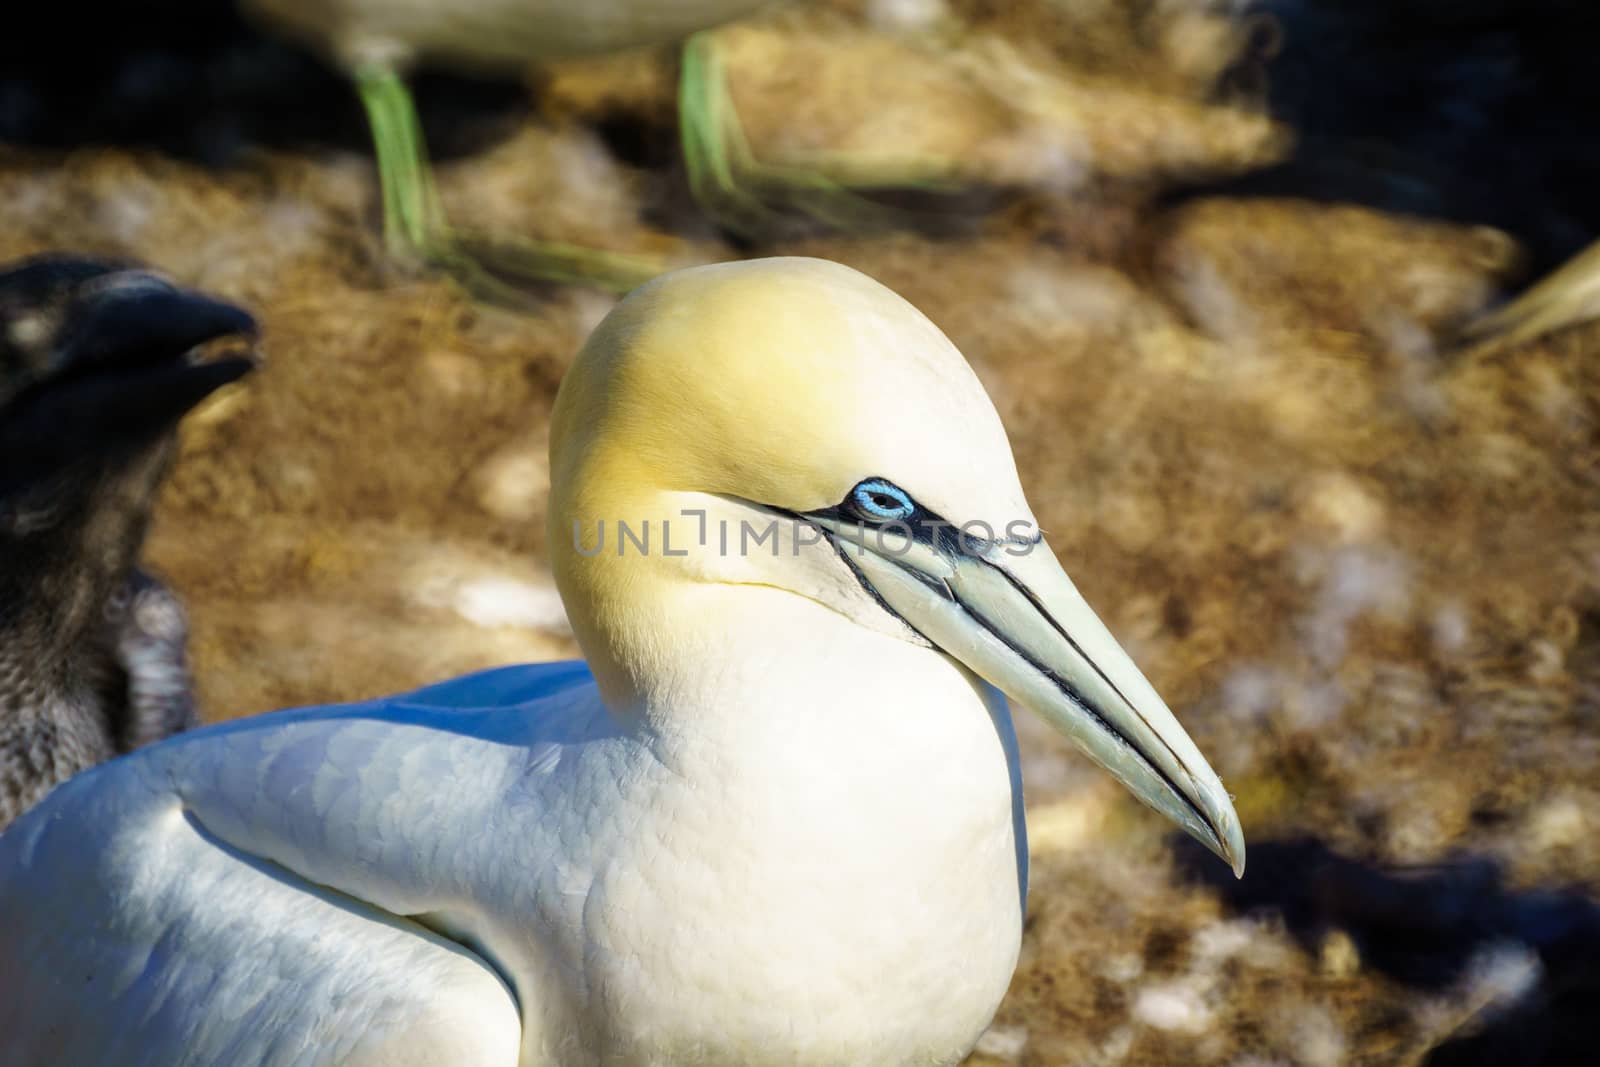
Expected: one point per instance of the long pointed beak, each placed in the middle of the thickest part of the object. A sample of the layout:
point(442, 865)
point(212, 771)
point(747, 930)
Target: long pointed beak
point(1010, 613)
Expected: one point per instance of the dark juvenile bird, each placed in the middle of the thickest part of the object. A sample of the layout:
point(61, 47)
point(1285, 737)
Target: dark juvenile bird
point(97, 366)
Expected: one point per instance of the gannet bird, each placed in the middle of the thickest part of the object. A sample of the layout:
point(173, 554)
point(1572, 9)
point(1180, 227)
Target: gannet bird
point(94, 376)
point(378, 41)
point(775, 818)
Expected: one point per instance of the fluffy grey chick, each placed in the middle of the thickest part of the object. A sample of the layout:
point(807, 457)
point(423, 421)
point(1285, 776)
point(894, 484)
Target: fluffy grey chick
point(97, 367)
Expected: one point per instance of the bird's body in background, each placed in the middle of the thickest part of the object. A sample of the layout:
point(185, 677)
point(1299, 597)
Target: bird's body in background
point(775, 818)
point(378, 42)
point(93, 380)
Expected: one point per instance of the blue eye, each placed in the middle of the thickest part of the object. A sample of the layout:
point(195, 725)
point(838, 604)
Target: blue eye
point(878, 499)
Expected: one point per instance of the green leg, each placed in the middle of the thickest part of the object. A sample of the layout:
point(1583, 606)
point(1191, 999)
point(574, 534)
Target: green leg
point(414, 222)
point(754, 198)
point(412, 218)
point(714, 145)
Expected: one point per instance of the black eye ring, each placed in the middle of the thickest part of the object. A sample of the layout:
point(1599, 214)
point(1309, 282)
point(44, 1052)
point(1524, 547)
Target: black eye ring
point(882, 501)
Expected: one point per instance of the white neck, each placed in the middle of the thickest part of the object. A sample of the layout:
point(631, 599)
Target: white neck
point(865, 798)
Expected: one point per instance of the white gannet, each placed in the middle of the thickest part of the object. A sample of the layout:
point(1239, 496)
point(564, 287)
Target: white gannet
point(775, 818)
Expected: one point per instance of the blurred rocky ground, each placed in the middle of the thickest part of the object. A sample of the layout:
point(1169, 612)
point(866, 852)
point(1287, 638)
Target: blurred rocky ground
point(1362, 564)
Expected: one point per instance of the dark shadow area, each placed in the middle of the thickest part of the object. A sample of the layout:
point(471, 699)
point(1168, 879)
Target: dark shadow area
point(648, 141)
point(1422, 927)
point(1474, 111)
point(196, 79)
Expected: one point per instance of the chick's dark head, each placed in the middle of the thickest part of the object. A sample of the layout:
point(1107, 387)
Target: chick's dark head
point(98, 362)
